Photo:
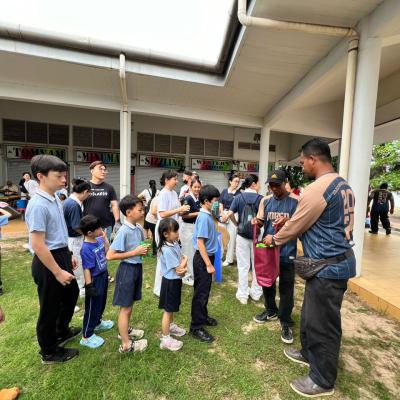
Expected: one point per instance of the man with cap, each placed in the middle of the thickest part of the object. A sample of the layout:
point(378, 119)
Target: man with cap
point(275, 209)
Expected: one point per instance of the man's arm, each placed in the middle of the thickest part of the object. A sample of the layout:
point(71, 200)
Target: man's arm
point(47, 259)
point(391, 201)
point(115, 210)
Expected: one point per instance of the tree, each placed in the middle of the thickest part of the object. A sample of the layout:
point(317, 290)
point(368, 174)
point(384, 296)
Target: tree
point(385, 166)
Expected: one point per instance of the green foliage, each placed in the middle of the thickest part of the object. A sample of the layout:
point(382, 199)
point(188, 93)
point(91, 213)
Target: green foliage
point(296, 176)
point(385, 165)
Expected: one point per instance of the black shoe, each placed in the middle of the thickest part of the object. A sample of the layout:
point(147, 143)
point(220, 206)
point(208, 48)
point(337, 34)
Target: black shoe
point(70, 334)
point(388, 231)
point(265, 316)
point(202, 335)
point(286, 334)
point(61, 355)
point(296, 356)
point(306, 387)
point(374, 233)
point(210, 321)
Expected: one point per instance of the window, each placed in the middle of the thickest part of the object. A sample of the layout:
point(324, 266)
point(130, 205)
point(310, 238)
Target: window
point(211, 148)
point(102, 138)
point(178, 144)
point(36, 132)
point(196, 147)
point(162, 143)
point(115, 139)
point(254, 146)
point(145, 142)
point(82, 136)
point(13, 130)
point(58, 134)
point(157, 143)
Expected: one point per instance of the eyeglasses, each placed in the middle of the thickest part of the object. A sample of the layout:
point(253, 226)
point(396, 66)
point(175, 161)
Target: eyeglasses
point(103, 169)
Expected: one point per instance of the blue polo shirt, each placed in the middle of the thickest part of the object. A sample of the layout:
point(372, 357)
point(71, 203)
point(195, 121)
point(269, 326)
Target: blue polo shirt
point(3, 221)
point(205, 229)
point(128, 237)
point(73, 215)
point(170, 259)
point(45, 214)
point(94, 257)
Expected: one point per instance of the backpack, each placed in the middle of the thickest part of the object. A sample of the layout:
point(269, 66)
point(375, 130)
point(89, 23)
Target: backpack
point(249, 212)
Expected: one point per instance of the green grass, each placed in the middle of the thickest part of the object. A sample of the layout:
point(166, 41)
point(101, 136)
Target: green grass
point(245, 362)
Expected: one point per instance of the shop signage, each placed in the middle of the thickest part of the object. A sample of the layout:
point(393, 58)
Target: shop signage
point(26, 153)
point(146, 160)
point(91, 156)
point(248, 166)
point(211, 165)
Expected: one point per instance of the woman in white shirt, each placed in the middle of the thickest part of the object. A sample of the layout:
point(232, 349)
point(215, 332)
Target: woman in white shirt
point(30, 184)
point(147, 195)
point(168, 205)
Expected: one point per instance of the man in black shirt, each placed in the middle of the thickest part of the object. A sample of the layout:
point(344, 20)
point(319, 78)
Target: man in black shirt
point(380, 208)
point(102, 202)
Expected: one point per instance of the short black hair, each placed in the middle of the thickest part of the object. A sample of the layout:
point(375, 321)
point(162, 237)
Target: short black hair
point(250, 179)
point(166, 225)
point(318, 148)
point(44, 163)
point(187, 172)
point(233, 176)
point(89, 223)
point(208, 192)
point(27, 173)
point(128, 202)
point(384, 185)
point(94, 164)
point(80, 185)
point(167, 175)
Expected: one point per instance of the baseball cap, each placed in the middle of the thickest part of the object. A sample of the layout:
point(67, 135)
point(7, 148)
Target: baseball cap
point(277, 176)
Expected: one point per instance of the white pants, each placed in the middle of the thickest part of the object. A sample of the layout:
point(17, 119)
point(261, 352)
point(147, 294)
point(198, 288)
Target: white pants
point(230, 250)
point(75, 245)
point(186, 236)
point(158, 277)
point(245, 259)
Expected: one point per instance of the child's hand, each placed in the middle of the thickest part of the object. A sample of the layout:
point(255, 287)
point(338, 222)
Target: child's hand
point(210, 269)
point(64, 277)
point(141, 250)
point(75, 264)
point(181, 271)
point(184, 209)
point(104, 235)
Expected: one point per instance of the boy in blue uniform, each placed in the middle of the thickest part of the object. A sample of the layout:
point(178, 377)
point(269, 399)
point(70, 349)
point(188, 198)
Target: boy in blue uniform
point(93, 254)
point(277, 209)
point(52, 264)
point(205, 242)
point(128, 288)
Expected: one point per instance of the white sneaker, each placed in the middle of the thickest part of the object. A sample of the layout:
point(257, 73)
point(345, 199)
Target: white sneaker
point(170, 343)
point(226, 264)
point(133, 333)
point(242, 301)
point(175, 330)
point(135, 346)
point(76, 309)
point(188, 281)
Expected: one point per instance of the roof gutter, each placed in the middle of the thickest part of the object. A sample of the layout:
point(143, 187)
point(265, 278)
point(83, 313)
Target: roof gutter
point(352, 34)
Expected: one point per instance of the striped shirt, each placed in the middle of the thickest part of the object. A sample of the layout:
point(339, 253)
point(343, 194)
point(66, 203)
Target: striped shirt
point(324, 222)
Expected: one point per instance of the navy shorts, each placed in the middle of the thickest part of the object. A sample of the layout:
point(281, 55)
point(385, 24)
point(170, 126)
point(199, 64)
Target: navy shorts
point(128, 284)
point(170, 294)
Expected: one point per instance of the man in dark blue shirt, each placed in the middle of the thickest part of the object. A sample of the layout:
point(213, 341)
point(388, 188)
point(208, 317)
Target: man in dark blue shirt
point(380, 208)
point(280, 206)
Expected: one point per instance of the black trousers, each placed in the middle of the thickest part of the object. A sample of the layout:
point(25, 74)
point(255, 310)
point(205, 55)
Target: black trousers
point(152, 228)
point(321, 328)
point(376, 216)
point(57, 302)
point(202, 287)
point(286, 293)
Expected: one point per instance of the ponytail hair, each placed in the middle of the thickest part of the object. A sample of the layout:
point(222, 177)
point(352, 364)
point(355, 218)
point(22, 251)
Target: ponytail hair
point(166, 225)
point(250, 179)
point(153, 187)
point(80, 185)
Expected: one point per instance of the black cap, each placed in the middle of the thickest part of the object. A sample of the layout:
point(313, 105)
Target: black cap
point(277, 176)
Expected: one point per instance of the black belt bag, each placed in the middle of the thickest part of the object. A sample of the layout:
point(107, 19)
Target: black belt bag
point(307, 268)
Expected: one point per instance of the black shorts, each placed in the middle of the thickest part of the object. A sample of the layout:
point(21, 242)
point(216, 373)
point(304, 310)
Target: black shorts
point(170, 294)
point(128, 284)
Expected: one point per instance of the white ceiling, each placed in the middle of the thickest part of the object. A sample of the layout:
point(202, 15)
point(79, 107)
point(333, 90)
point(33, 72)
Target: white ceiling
point(268, 65)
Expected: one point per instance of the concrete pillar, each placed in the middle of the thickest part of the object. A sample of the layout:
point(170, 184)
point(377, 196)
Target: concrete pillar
point(264, 158)
point(125, 153)
point(70, 156)
point(363, 132)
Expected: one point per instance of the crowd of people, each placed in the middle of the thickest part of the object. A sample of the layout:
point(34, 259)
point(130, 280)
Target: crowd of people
point(72, 242)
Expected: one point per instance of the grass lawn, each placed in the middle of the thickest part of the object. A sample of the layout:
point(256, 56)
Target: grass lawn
point(245, 362)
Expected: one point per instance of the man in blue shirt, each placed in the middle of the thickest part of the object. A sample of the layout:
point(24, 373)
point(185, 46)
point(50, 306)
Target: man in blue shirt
point(205, 243)
point(324, 221)
point(280, 205)
point(52, 265)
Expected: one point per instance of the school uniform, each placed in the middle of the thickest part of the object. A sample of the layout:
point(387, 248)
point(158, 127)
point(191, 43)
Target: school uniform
point(226, 199)
point(204, 229)
point(94, 259)
point(171, 284)
point(270, 209)
point(73, 212)
point(167, 200)
point(57, 302)
point(129, 277)
point(244, 249)
point(186, 234)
